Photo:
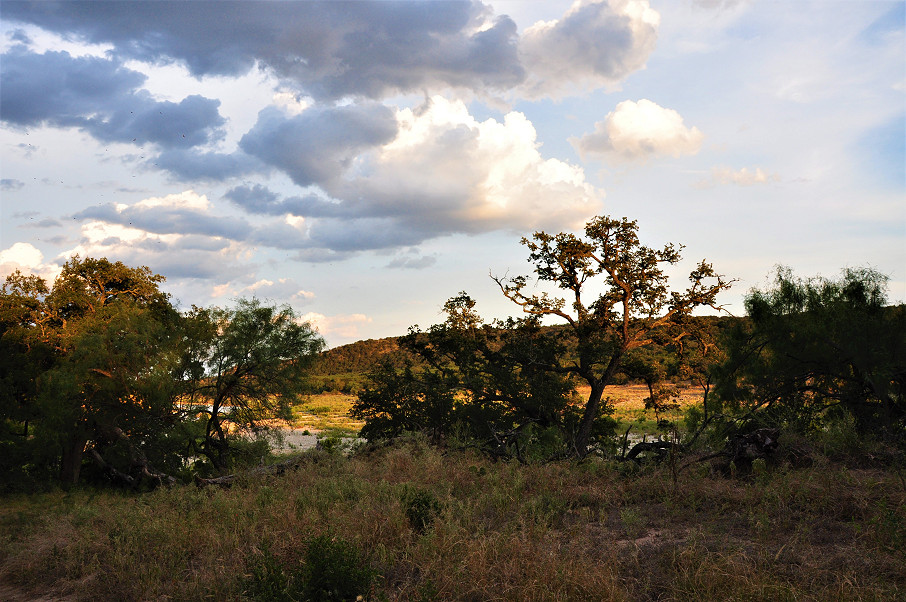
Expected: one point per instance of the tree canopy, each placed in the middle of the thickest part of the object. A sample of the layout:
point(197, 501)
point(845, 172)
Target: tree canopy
point(634, 308)
point(86, 360)
point(616, 301)
point(101, 367)
point(244, 366)
point(818, 347)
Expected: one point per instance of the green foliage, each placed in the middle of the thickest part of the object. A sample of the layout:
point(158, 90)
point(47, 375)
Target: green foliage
point(815, 350)
point(479, 379)
point(335, 570)
point(268, 581)
point(499, 379)
point(422, 507)
point(101, 367)
point(358, 357)
point(87, 362)
point(634, 309)
point(245, 365)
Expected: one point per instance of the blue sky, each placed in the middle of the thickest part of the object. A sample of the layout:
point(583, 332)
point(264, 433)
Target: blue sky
point(363, 162)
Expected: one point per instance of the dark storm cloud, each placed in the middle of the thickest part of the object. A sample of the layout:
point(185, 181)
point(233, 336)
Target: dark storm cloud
point(55, 86)
point(338, 228)
point(319, 144)
point(255, 199)
point(260, 200)
point(189, 164)
point(169, 220)
point(101, 97)
point(330, 49)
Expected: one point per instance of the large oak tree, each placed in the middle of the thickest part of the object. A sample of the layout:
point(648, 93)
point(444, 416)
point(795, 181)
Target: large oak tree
point(615, 298)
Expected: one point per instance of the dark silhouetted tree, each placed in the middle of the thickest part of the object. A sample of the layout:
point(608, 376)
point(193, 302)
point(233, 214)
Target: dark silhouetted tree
point(817, 348)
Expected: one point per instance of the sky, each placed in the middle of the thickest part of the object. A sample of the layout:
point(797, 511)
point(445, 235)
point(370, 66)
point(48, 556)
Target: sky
point(365, 161)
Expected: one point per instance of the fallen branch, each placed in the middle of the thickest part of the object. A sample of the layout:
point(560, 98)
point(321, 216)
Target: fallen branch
point(279, 468)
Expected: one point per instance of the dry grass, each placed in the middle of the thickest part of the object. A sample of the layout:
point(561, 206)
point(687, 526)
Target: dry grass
point(500, 531)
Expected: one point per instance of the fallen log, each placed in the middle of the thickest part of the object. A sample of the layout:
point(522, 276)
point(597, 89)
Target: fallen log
point(660, 448)
point(744, 449)
point(741, 450)
point(226, 481)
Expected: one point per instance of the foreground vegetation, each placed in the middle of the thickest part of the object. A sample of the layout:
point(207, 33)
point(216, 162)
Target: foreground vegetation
point(410, 521)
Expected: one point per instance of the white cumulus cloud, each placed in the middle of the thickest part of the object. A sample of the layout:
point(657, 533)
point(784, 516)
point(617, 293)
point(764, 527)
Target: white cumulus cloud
point(345, 326)
point(639, 130)
point(28, 259)
point(596, 43)
point(447, 172)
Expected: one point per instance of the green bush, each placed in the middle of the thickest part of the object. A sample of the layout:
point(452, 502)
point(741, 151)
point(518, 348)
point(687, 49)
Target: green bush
point(268, 579)
point(335, 569)
point(422, 507)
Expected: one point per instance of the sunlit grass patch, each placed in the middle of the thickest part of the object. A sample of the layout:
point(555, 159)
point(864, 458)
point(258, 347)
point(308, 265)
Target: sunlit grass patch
point(327, 412)
point(628, 402)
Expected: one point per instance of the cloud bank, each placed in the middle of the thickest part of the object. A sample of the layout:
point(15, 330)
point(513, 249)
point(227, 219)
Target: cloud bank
point(332, 50)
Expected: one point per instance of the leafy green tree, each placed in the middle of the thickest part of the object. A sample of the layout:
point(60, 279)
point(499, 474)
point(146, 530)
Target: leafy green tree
point(93, 371)
point(816, 348)
point(634, 306)
point(481, 377)
point(243, 368)
point(24, 355)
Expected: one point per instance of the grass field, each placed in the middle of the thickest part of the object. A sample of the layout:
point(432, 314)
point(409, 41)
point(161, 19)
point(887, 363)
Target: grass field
point(628, 402)
point(428, 524)
point(329, 412)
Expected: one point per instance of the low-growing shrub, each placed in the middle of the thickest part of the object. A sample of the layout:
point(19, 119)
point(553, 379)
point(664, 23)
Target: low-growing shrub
point(335, 569)
point(422, 507)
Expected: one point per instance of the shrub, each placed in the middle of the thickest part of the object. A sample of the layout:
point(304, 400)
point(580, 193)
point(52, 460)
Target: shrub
point(422, 508)
point(335, 569)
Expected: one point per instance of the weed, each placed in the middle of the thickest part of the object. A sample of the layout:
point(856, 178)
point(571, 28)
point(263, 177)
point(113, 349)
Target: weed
point(633, 522)
point(422, 507)
point(335, 569)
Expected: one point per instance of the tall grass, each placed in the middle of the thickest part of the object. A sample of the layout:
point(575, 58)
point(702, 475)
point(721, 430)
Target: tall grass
point(428, 525)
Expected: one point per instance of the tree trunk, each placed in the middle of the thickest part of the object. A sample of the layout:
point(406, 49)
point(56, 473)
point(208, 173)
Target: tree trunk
point(71, 461)
point(592, 406)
